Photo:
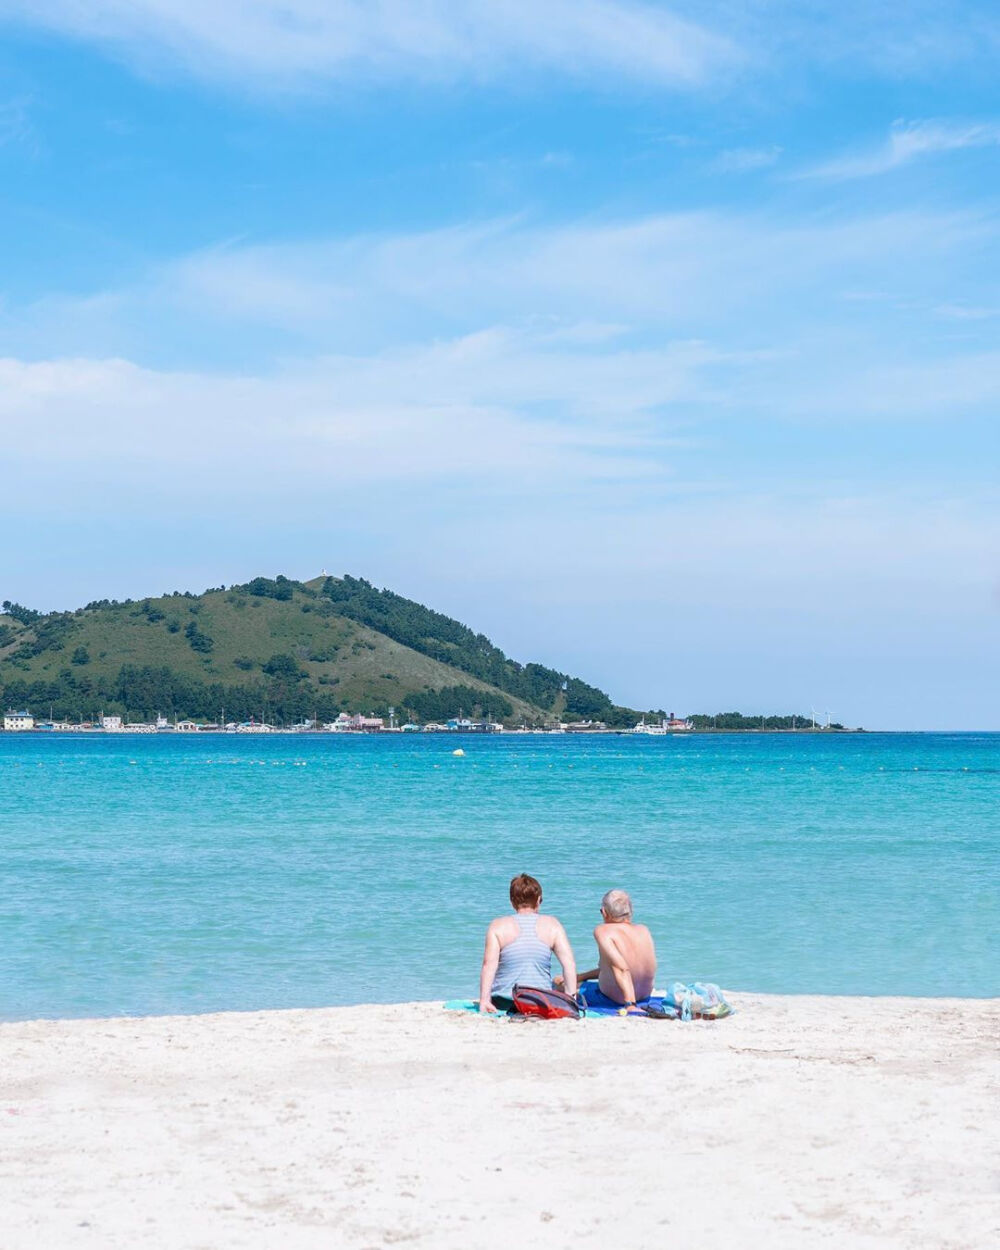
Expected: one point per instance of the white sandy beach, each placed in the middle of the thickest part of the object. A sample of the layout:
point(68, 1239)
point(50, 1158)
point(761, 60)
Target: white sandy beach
point(799, 1122)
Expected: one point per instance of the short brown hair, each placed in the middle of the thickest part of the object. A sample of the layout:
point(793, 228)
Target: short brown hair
point(525, 891)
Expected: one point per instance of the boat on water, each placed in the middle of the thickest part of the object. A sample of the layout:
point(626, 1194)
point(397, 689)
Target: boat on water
point(668, 725)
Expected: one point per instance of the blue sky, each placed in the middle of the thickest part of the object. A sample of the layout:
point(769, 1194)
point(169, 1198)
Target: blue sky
point(660, 342)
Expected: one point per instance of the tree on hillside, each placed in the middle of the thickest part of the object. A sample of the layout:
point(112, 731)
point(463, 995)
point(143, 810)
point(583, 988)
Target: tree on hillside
point(449, 641)
point(26, 616)
point(266, 588)
point(283, 666)
point(196, 639)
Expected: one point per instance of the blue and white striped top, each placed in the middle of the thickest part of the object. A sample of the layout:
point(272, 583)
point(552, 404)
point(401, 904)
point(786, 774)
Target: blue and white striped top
point(525, 961)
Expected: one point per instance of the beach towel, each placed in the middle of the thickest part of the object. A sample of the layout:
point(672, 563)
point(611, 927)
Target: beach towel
point(701, 1000)
point(598, 1004)
point(595, 1003)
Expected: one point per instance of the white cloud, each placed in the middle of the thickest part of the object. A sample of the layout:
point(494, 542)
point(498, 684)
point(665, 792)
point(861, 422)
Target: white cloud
point(907, 142)
point(602, 357)
point(456, 424)
point(487, 407)
point(291, 41)
point(692, 275)
point(897, 39)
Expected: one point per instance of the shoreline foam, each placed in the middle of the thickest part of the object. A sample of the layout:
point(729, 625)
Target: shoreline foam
point(800, 1121)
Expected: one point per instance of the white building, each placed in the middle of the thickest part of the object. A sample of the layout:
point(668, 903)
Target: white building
point(358, 723)
point(111, 724)
point(15, 722)
point(187, 727)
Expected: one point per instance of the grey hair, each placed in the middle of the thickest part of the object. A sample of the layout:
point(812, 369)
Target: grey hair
point(617, 905)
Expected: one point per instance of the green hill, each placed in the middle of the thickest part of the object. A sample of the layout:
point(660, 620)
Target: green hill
point(278, 649)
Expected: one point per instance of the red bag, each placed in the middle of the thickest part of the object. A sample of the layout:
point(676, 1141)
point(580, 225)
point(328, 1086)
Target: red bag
point(547, 1004)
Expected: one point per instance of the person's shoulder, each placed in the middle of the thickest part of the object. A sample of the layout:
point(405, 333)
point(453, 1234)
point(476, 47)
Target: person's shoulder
point(548, 923)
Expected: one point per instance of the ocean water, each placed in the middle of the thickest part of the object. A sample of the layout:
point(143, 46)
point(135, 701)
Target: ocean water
point(161, 875)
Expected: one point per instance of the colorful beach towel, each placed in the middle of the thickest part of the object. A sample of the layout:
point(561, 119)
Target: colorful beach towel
point(598, 1004)
point(702, 1000)
point(595, 1002)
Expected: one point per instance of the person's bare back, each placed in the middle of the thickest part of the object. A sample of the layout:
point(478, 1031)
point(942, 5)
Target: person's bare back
point(627, 957)
point(627, 954)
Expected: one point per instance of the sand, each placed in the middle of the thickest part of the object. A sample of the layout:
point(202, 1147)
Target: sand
point(834, 1122)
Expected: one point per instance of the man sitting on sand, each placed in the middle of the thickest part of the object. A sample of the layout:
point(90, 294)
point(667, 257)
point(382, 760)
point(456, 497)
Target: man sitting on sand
point(519, 949)
point(627, 963)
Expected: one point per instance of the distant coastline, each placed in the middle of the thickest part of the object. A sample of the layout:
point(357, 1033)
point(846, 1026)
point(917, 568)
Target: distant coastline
point(48, 730)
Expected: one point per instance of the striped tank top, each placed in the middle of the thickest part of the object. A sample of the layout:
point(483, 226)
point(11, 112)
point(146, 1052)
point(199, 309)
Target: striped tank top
point(525, 961)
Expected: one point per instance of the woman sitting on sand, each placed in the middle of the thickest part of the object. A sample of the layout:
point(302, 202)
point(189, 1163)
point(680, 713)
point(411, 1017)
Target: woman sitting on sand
point(519, 949)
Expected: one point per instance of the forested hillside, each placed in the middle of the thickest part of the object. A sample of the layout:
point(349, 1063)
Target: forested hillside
point(276, 649)
point(447, 640)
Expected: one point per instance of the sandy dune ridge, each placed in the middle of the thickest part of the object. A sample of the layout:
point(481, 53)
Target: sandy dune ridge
point(799, 1122)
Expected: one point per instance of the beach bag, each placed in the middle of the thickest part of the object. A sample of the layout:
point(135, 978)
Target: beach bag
point(701, 1000)
point(546, 1004)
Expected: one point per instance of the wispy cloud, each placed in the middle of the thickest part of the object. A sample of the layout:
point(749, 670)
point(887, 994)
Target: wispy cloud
point(907, 142)
point(737, 279)
point(496, 351)
point(966, 312)
point(746, 160)
point(493, 407)
point(288, 41)
point(895, 39)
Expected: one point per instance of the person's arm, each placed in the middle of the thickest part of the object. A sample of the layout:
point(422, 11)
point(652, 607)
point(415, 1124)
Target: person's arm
point(564, 953)
point(590, 975)
point(612, 952)
point(491, 958)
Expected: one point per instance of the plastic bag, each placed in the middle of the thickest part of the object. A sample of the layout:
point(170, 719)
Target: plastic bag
point(702, 1000)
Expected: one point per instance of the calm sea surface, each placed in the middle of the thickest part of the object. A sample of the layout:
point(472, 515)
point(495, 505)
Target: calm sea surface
point(151, 875)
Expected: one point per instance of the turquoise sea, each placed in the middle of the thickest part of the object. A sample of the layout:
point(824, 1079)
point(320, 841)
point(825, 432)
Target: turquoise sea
point(161, 874)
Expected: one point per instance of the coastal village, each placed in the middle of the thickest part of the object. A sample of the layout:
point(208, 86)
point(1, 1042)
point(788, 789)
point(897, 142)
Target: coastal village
point(22, 721)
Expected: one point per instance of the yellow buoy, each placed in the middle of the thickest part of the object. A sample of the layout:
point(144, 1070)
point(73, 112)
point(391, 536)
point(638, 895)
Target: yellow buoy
point(458, 752)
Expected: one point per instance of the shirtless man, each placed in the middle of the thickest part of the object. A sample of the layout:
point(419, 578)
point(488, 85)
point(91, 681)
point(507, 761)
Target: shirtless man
point(519, 949)
point(627, 963)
